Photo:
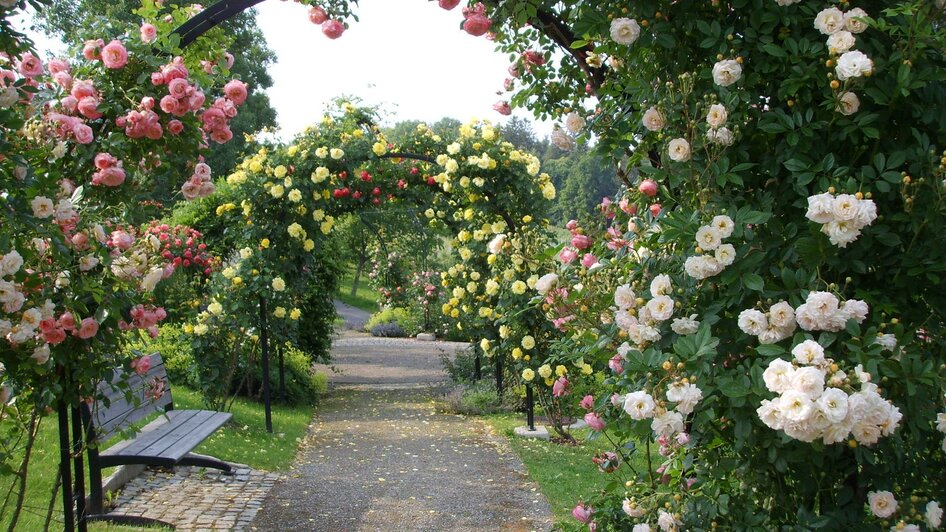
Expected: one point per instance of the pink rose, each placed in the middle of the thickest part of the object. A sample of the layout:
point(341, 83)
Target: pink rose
point(572, 225)
point(648, 187)
point(88, 328)
point(47, 325)
point(228, 58)
point(148, 32)
point(448, 4)
point(54, 336)
point(69, 104)
point(30, 66)
point(533, 58)
point(147, 103)
point(58, 65)
point(157, 78)
point(175, 127)
point(63, 79)
point(222, 135)
point(477, 24)
point(169, 104)
point(80, 241)
point(655, 210)
point(110, 177)
point(593, 421)
point(683, 438)
point(83, 134)
point(88, 107)
point(235, 90)
point(91, 49)
point(196, 101)
point(190, 191)
point(567, 256)
point(587, 402)
point(615, 364)
point(502, 107)
point(114, 55)
point(67, 321)
point(141, 365)
point(202, 170)
point(589, 260)
point(82, 88)
point(509, 84)
point(582, 512)
point(317, 15)
point(177, 87)
point(121, 240)
point(581, 241)
point(560, 388)
point(333, 29)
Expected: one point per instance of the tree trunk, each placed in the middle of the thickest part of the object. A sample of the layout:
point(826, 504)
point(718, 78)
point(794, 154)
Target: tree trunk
point(362, 258)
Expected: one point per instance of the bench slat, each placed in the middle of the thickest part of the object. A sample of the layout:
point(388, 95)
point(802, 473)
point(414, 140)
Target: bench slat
point(122, 412)
point(165, 441)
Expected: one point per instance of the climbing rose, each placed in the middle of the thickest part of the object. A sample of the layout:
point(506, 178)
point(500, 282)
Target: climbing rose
point(148, 32)
point(317, 15)
point(333, 29)
point(582, 513)
point(625, 31)
point(502, 108)
point(114, 55)
point(448, 4)
point(727, 72)
point(477, 23)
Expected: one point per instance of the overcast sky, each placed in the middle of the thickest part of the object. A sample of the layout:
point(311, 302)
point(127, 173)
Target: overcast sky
point(408, 56)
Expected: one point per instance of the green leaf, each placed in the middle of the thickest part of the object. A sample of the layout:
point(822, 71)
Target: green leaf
point(753, 281)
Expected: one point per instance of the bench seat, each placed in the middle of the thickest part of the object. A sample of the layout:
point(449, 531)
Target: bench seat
point(167, 440)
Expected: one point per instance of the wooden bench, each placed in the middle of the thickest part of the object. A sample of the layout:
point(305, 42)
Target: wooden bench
point(166, 441)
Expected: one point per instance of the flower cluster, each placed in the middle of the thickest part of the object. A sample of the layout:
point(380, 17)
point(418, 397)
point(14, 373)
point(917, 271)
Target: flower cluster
point(883, 505)
point(668, 425)
point(710, 238)
point(843, 216)
point(817, 400)
point(821, 311)
point(200, 183)
point(181, 246)
point(641, 321)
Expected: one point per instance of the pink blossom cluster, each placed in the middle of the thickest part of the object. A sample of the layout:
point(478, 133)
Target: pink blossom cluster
point(199, 185)
point(332, 28)
point(216, 119)
point(477, 23)
point(144, 317)
point(180, 246)
point(110, 172)
point(54, 330)
point(580, 242)
point(144, 122)
point(210, 66)
point(113, 55)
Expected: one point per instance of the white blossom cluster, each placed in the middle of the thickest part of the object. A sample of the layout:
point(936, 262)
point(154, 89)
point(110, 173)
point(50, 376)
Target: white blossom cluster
point(821, 311)
point(843, 216)
point(665, 423)
point(941, 426)
point(813, 404)
point(710, 238)
point(641, 321)
point(841, 28)
point(718, 133)
point(884, 505)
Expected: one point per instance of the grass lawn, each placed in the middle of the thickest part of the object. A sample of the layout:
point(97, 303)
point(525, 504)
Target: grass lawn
point(244, 440)
point(564, 473)
point(366, 299)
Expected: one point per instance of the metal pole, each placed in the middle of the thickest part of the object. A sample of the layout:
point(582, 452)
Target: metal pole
point(477, 368)
point(530, 408)
point(68, 512)
point(281, 349)
point(78, 463)
point(264, 340)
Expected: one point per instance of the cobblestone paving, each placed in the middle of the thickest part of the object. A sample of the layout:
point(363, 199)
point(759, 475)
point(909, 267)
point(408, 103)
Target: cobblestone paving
point(193, 498)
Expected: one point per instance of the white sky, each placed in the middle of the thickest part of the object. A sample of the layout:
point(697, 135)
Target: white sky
point(409, 57)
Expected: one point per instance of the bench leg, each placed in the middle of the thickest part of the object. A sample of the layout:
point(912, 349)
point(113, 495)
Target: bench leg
point(200, 460)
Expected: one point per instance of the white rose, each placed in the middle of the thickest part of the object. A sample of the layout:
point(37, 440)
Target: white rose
point(640, 527)
point(753, 322)
point(545, 283)
point(882, 503)
point(866, 213)
point(625, 31)
point(708, 238)
point(660, 308)
point(853, 64)
point(854, 20)
point(887, 341)
point(845, 207)
point(574, 122)
point(795, 406)
point(10, 263)
point(685, 326)
point(666, 521)
point(820, 208)
point(42, 207)
point(769, 414)
point(679, 150)
point(840, 42)
point(934, 514)
point(808, 352)
point(152, 279)
point(624, 297)
point(725, 254)
point(88, 262)
point(653, 120)
point(727, 72)
point(808, 380)
point(660, 285)
point(848, 103)
point(722, 136)
point(639, 405)
point(778, 376)
point(496, 244)
point(841, 233)
point(8, 97)
point(723, 224)
point(717, 115)
point(833, 404)
point(667, 424)
point(829, 21)
point(782, 315)
point(561, 140)
point(41, 354)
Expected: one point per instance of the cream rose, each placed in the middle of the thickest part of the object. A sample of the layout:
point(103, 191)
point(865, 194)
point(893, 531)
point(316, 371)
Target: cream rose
point(679, 150)
point(853, 64)
point(625, 31)
point(829, 21)
point(653, 120)
point(717, 115)
point(727, 72)
point(848, 103)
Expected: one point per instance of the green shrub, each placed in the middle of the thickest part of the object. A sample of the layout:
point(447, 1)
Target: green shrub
point(175, 348)
point(410, 322)
point(303, 386)
point(480, 398)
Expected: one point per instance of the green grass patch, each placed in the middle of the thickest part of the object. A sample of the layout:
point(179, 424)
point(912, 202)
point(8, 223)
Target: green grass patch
point(365, 298)
point(244, 440)
point(565, 473)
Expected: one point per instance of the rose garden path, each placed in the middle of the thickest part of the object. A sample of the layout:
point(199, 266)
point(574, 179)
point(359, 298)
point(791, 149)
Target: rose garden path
point(381, 456)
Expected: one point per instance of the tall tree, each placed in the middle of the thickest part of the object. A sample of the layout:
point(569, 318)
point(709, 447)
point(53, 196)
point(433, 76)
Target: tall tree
point(75, 21)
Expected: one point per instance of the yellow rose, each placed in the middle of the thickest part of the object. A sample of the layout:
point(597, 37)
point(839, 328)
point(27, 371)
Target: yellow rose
point(280, 171)
point(561, 370)
point(279, 312)
point(322, 152)
point(528, 375)
point(294, 195)
point(528, 342)
point(516, 353)
point(586, 369)
point(201, 329)
point(320, 174)
point(189, 329)
point(276, 191)
point(278, 284)
point(485, 344)
point(237, 281)
point(295, 314)
point(519, 288)
point(504, 331)
point(264, 243)
point(292, 150)
point(229, 272)
point(318, 215)
point(545, 371)
point(255, 166)
point(309, 245)
point(379, 148)
point(336, 153)
point(215, 308)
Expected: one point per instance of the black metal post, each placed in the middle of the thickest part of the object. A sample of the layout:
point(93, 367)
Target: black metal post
point(477, 367)
point(264, 342)
point(530, 408)
point(281, 349)
point(499, 374)
point(78, 463)
point(68, 511)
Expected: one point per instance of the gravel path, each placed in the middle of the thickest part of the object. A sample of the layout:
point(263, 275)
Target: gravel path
point(355, 318)
point(380, 456)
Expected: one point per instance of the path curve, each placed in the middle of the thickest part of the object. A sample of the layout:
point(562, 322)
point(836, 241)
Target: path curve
point(355, 318)
point(381, 456)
